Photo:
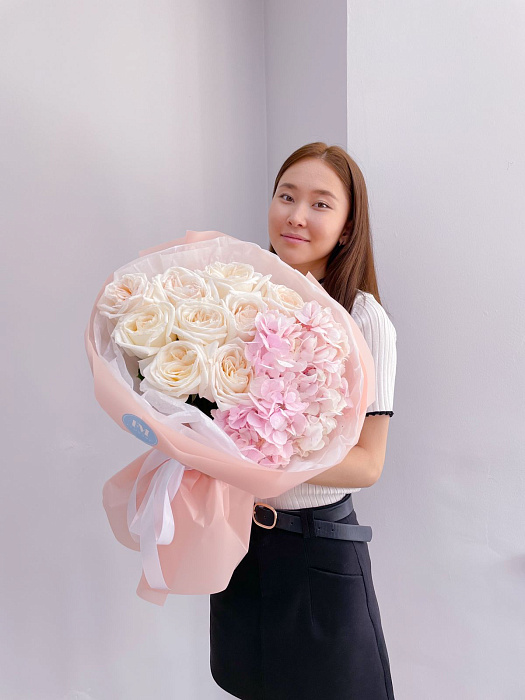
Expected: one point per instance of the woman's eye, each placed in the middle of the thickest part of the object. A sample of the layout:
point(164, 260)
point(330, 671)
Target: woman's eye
point(324, 204)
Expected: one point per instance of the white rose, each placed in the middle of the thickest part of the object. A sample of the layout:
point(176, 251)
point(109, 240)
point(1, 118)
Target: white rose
point(283, 298)
point(127, 294)
point(178, 369)
point(180, 284)
point(245, 306)
point(204, 322)
point(235, 275)
point(143, 332)
point(231, 375)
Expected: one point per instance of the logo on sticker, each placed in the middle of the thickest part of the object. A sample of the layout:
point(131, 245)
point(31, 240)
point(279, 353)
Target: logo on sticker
point(138, 428)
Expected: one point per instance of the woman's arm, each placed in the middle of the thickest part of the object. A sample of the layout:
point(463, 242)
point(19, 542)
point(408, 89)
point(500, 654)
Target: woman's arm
point(363, 464)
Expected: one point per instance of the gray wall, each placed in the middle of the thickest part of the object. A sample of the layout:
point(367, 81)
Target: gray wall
point(305, 61)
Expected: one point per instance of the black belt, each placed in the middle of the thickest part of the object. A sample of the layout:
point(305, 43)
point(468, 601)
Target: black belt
point(323, 521)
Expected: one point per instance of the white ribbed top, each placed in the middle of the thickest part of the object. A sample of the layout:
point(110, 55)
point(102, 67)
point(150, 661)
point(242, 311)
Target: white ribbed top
point(380, 335)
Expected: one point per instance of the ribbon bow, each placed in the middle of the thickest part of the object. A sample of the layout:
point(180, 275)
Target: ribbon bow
point(153, 524)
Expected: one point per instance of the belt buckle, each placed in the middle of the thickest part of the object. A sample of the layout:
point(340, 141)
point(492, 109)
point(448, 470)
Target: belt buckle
point(264, 505)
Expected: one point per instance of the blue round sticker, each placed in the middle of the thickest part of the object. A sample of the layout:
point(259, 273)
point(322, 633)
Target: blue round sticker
point(139, 429)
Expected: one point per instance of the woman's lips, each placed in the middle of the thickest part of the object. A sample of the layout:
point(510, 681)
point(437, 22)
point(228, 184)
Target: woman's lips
point(294, 240)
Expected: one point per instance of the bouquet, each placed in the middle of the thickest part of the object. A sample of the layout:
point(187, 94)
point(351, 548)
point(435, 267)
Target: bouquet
point(243, 375)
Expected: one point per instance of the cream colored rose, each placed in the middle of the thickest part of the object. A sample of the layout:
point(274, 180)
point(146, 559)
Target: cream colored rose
point(234, 275)
point(204, 322)
point(245, 306)
point(127, 294)
point(178, 369)
point(180, 284)
point(283, 298)
point(143, 332)
point(231, 375)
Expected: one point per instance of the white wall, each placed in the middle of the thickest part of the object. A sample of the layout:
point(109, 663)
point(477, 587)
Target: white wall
point(436, 98)
point(123, 124)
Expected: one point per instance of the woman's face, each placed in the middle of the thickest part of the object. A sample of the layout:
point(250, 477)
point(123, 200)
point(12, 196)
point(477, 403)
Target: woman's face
point(299, 209)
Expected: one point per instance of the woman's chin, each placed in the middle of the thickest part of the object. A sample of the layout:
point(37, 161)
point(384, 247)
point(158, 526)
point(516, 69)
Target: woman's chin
point(289, 259)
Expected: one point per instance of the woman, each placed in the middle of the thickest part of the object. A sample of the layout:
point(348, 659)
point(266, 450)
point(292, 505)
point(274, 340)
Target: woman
point(299, 619)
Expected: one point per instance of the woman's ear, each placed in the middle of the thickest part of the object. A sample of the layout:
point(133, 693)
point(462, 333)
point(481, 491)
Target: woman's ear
point(345, 233)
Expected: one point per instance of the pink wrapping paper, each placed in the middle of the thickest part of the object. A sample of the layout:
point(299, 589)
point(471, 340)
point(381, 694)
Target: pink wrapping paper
point(206, 526)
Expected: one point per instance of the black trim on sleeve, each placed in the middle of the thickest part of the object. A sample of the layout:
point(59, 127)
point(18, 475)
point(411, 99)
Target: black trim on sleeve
point(380, 413)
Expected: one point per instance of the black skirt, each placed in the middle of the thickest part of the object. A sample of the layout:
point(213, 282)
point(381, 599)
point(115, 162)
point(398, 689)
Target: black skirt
point(299, 620)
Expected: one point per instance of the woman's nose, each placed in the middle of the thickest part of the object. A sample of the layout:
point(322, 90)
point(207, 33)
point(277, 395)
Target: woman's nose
point(296, 217)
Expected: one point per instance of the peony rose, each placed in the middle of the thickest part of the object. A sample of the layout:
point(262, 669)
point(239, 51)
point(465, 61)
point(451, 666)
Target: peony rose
point(245, 306)
point(235, 275)
point(129, 293)
point(143, 332)
point(178, 369)
point(180, 284)
point(204, 322)
point(230, 376)
point(282, 298)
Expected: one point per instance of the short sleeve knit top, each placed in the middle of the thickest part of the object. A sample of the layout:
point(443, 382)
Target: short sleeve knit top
point(380, 335)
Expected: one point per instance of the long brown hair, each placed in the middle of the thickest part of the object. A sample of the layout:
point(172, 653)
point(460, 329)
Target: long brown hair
point(350, 266)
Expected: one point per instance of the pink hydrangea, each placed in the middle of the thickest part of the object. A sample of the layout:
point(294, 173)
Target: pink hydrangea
point(297, 388)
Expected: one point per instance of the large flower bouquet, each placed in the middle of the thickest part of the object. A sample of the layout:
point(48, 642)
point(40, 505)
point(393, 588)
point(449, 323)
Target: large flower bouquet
point(243, 375)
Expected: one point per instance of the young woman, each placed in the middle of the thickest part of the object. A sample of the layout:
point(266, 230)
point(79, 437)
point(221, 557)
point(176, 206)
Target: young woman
point(299, 619)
